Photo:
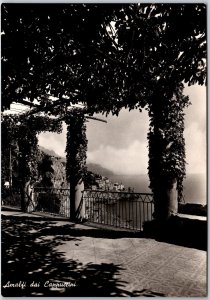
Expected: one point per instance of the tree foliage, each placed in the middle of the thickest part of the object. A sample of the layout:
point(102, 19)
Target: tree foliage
point(46, 171)
point(166, 140)
point(153, 46)
point(19, 132)
point(108, 57)
point(45, 51)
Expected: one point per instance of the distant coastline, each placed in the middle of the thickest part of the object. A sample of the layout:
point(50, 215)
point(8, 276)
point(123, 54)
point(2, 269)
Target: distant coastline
point(194, 185)
point(195, 190)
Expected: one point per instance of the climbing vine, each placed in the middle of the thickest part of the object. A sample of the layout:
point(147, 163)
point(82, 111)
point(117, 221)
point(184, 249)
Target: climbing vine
point(166, 140)
point(76, 146)
point(76, 58)
point(19, 134)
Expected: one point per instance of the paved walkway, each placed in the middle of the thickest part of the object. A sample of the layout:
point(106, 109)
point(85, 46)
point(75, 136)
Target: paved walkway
point(91, 262)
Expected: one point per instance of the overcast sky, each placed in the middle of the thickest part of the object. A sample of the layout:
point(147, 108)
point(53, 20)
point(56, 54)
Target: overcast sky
point(121, 144)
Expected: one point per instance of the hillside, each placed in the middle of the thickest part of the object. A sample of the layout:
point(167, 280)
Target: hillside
point(48, 151)
point(59, 174)
point(194, 184)
point(98, 169)
point(52, 153)
point(94, 168)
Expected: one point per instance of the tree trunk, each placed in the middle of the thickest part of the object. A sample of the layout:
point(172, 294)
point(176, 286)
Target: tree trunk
point(77, 205)
point(24, 197)
point(76, 149)
point(27, 197)
point(162, 163)
point(31, 199)
point(165, 200)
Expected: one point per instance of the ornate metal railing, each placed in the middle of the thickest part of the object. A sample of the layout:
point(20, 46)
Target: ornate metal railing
point(118, 209)
point(54, 201)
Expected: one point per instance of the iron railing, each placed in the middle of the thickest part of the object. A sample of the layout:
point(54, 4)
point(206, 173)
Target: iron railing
point(118, 209)
point(54, 201)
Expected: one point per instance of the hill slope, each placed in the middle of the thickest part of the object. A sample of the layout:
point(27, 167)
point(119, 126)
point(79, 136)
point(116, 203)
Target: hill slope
point(95, 168)
point(49, 152)
point(98, 169)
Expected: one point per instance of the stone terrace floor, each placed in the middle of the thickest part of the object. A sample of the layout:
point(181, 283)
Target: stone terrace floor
point(95, 262)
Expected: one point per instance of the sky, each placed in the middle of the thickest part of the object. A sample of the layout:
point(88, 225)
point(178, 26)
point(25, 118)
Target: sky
point(121, 144)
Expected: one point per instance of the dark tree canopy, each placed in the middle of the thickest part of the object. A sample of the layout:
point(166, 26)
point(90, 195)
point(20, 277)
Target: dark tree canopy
point(46, 49)
point(106, 56)
point(46, 171)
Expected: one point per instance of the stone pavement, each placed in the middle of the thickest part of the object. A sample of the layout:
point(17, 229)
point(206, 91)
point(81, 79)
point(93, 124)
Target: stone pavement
point(100, 263)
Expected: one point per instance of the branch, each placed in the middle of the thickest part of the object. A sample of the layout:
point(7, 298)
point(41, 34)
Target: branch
point(109, 37)
point(27, 103)
point(104, 54)
point(97, 119)
point(131, 46)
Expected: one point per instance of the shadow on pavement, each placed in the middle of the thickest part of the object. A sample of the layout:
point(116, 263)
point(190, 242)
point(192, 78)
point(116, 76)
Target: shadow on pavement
point(30, 259)
point(88, 230)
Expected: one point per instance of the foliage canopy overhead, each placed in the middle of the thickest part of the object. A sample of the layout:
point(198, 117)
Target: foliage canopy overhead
point(106, 56)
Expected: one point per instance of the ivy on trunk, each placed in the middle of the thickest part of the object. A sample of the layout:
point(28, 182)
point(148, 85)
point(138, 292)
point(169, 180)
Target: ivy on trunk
point(166, 147)
point(21, 132)
point(76, 154)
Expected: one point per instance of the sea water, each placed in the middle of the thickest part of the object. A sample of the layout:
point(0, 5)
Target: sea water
point(194, 186)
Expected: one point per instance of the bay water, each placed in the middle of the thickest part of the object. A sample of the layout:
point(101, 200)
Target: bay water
point(194, 186)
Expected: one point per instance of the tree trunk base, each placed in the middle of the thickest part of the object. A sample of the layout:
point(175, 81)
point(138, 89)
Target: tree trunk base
point(77, 205)
point(166, 201)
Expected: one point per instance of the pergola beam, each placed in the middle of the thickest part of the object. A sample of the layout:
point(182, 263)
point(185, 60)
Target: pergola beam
point(96, 119)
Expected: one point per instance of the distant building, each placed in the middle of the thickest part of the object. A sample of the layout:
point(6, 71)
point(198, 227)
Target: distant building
point(121, 187)
point(105, 184)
